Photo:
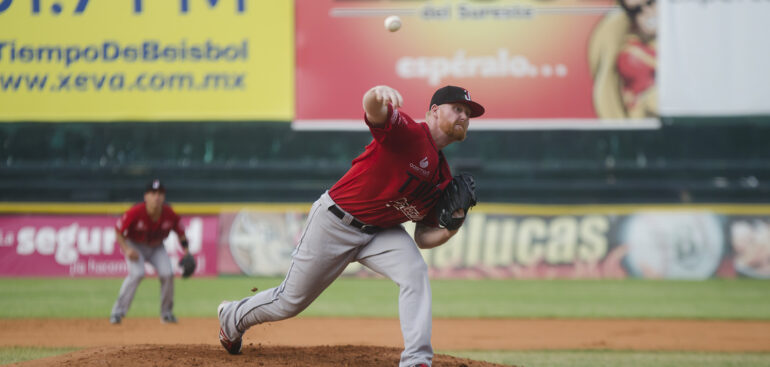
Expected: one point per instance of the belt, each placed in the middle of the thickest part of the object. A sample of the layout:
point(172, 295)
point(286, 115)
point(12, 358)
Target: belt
point(363, 227)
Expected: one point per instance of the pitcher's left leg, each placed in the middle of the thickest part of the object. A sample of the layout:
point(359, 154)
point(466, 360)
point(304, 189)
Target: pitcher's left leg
point(394, 254)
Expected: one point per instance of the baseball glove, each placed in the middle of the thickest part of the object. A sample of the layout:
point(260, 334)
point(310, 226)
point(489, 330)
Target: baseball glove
point(459, 194)
point(188, 264)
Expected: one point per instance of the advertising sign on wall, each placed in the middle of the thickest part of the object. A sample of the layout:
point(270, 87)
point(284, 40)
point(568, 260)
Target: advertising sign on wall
point(81, 60)
point(258, 243)
point(750, 245)
point(532, 64)
point(651, 244)
point(85, 246)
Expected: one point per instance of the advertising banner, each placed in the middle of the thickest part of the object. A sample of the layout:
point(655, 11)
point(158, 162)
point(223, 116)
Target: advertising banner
point(687, 245)
point(651, 244)
point(258, 243)
point(81, 60)
point(563, 64)
point(750, 246)
point(713, 58)
point(85, 246)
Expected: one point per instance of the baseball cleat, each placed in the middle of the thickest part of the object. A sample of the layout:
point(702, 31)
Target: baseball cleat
point(168, 319)
point(115, 319)
point(231, 346)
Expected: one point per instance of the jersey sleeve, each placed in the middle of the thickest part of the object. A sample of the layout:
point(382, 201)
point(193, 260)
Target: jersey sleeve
point(393, 122)
point(124, 222)
point(430, 220)
point(445, 177)
point(178, 226)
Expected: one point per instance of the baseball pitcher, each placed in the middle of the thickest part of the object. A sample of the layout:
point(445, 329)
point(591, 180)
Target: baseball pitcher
point(402, 175)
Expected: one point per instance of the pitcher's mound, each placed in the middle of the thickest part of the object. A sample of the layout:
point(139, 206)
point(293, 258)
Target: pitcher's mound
point(253, 355)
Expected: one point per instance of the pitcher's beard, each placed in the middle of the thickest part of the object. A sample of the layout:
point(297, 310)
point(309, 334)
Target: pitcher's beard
point(458, 132)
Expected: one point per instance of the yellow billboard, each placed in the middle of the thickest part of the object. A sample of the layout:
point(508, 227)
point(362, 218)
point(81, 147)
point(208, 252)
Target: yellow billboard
point(81, 60)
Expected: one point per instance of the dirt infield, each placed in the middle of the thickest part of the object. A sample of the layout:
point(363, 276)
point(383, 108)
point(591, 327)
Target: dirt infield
point(360, 342)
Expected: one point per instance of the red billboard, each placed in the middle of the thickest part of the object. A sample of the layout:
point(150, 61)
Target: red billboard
point(527, 62)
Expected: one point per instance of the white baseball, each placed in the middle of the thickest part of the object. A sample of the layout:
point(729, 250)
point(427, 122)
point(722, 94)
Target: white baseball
point(393, 23)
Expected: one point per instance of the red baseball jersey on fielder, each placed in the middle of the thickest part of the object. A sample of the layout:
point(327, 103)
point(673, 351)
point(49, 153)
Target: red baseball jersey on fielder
point(399, 177)
point(137, 226)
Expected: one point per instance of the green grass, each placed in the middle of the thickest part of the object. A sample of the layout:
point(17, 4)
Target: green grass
point(10, 355)
point(616, 358)
point(353, 297)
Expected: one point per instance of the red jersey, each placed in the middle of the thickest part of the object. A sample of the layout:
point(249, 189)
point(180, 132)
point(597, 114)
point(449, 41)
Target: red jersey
point(137, 226)
point(398, 177)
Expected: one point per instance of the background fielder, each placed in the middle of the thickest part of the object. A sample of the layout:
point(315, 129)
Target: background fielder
point(400, 176)
point(140, 233)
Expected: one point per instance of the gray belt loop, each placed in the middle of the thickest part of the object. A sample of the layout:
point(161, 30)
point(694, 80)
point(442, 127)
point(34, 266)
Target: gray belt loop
point(350, 220)
point(347, 219)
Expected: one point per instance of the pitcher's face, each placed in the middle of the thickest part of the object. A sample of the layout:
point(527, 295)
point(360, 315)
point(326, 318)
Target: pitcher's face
point(453, 120)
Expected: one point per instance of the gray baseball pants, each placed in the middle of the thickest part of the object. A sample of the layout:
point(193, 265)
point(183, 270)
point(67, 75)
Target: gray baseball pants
point(326, 247)
point(158, 257)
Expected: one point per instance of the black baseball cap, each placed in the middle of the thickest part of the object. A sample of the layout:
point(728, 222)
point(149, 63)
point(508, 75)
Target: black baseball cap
point(155, 185)
point(453, 94)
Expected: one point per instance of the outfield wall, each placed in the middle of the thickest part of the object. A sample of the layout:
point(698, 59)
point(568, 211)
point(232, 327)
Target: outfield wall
point(497, 241)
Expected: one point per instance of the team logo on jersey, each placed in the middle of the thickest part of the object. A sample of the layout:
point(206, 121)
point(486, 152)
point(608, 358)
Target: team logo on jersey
point(422, 168)
point(410, 211)
point(140, 225)
point(166, 225)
